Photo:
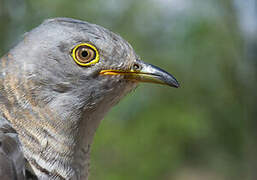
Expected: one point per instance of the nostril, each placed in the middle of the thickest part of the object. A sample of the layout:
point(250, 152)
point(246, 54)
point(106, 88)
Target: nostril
point(136, 67)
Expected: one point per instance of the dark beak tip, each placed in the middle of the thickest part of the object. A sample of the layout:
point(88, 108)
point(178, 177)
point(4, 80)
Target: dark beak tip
point(175, 85)
point(171, 81)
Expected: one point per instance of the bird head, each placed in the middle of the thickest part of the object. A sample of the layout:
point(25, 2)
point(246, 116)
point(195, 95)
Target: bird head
point(82, 60)
point(60, 81)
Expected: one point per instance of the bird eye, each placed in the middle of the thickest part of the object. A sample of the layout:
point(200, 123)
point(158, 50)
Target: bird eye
point(85, 54)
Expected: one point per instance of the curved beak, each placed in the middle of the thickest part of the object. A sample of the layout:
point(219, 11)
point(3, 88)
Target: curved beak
point(144, 72)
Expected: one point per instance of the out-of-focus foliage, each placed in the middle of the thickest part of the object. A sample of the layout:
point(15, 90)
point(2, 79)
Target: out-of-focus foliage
point(206, 129)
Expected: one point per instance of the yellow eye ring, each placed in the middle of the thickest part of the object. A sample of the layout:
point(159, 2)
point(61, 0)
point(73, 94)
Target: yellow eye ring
point(85, 54)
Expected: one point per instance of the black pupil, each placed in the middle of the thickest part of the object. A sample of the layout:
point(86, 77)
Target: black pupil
point(84, 53)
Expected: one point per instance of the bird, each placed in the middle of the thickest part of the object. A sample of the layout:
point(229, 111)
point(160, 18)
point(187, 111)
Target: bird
point(56, 85)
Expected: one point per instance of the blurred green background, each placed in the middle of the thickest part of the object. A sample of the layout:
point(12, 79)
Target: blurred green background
point(205, 130)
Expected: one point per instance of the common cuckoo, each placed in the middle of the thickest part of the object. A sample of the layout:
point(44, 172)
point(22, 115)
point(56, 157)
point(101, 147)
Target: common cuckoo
point(55, 87)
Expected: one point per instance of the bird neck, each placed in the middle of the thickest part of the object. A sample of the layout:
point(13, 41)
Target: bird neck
point(54, 145)
point(55, 137)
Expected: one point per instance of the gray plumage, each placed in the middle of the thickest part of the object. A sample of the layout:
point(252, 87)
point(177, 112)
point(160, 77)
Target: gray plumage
point(51, 106)
point(11, 156)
